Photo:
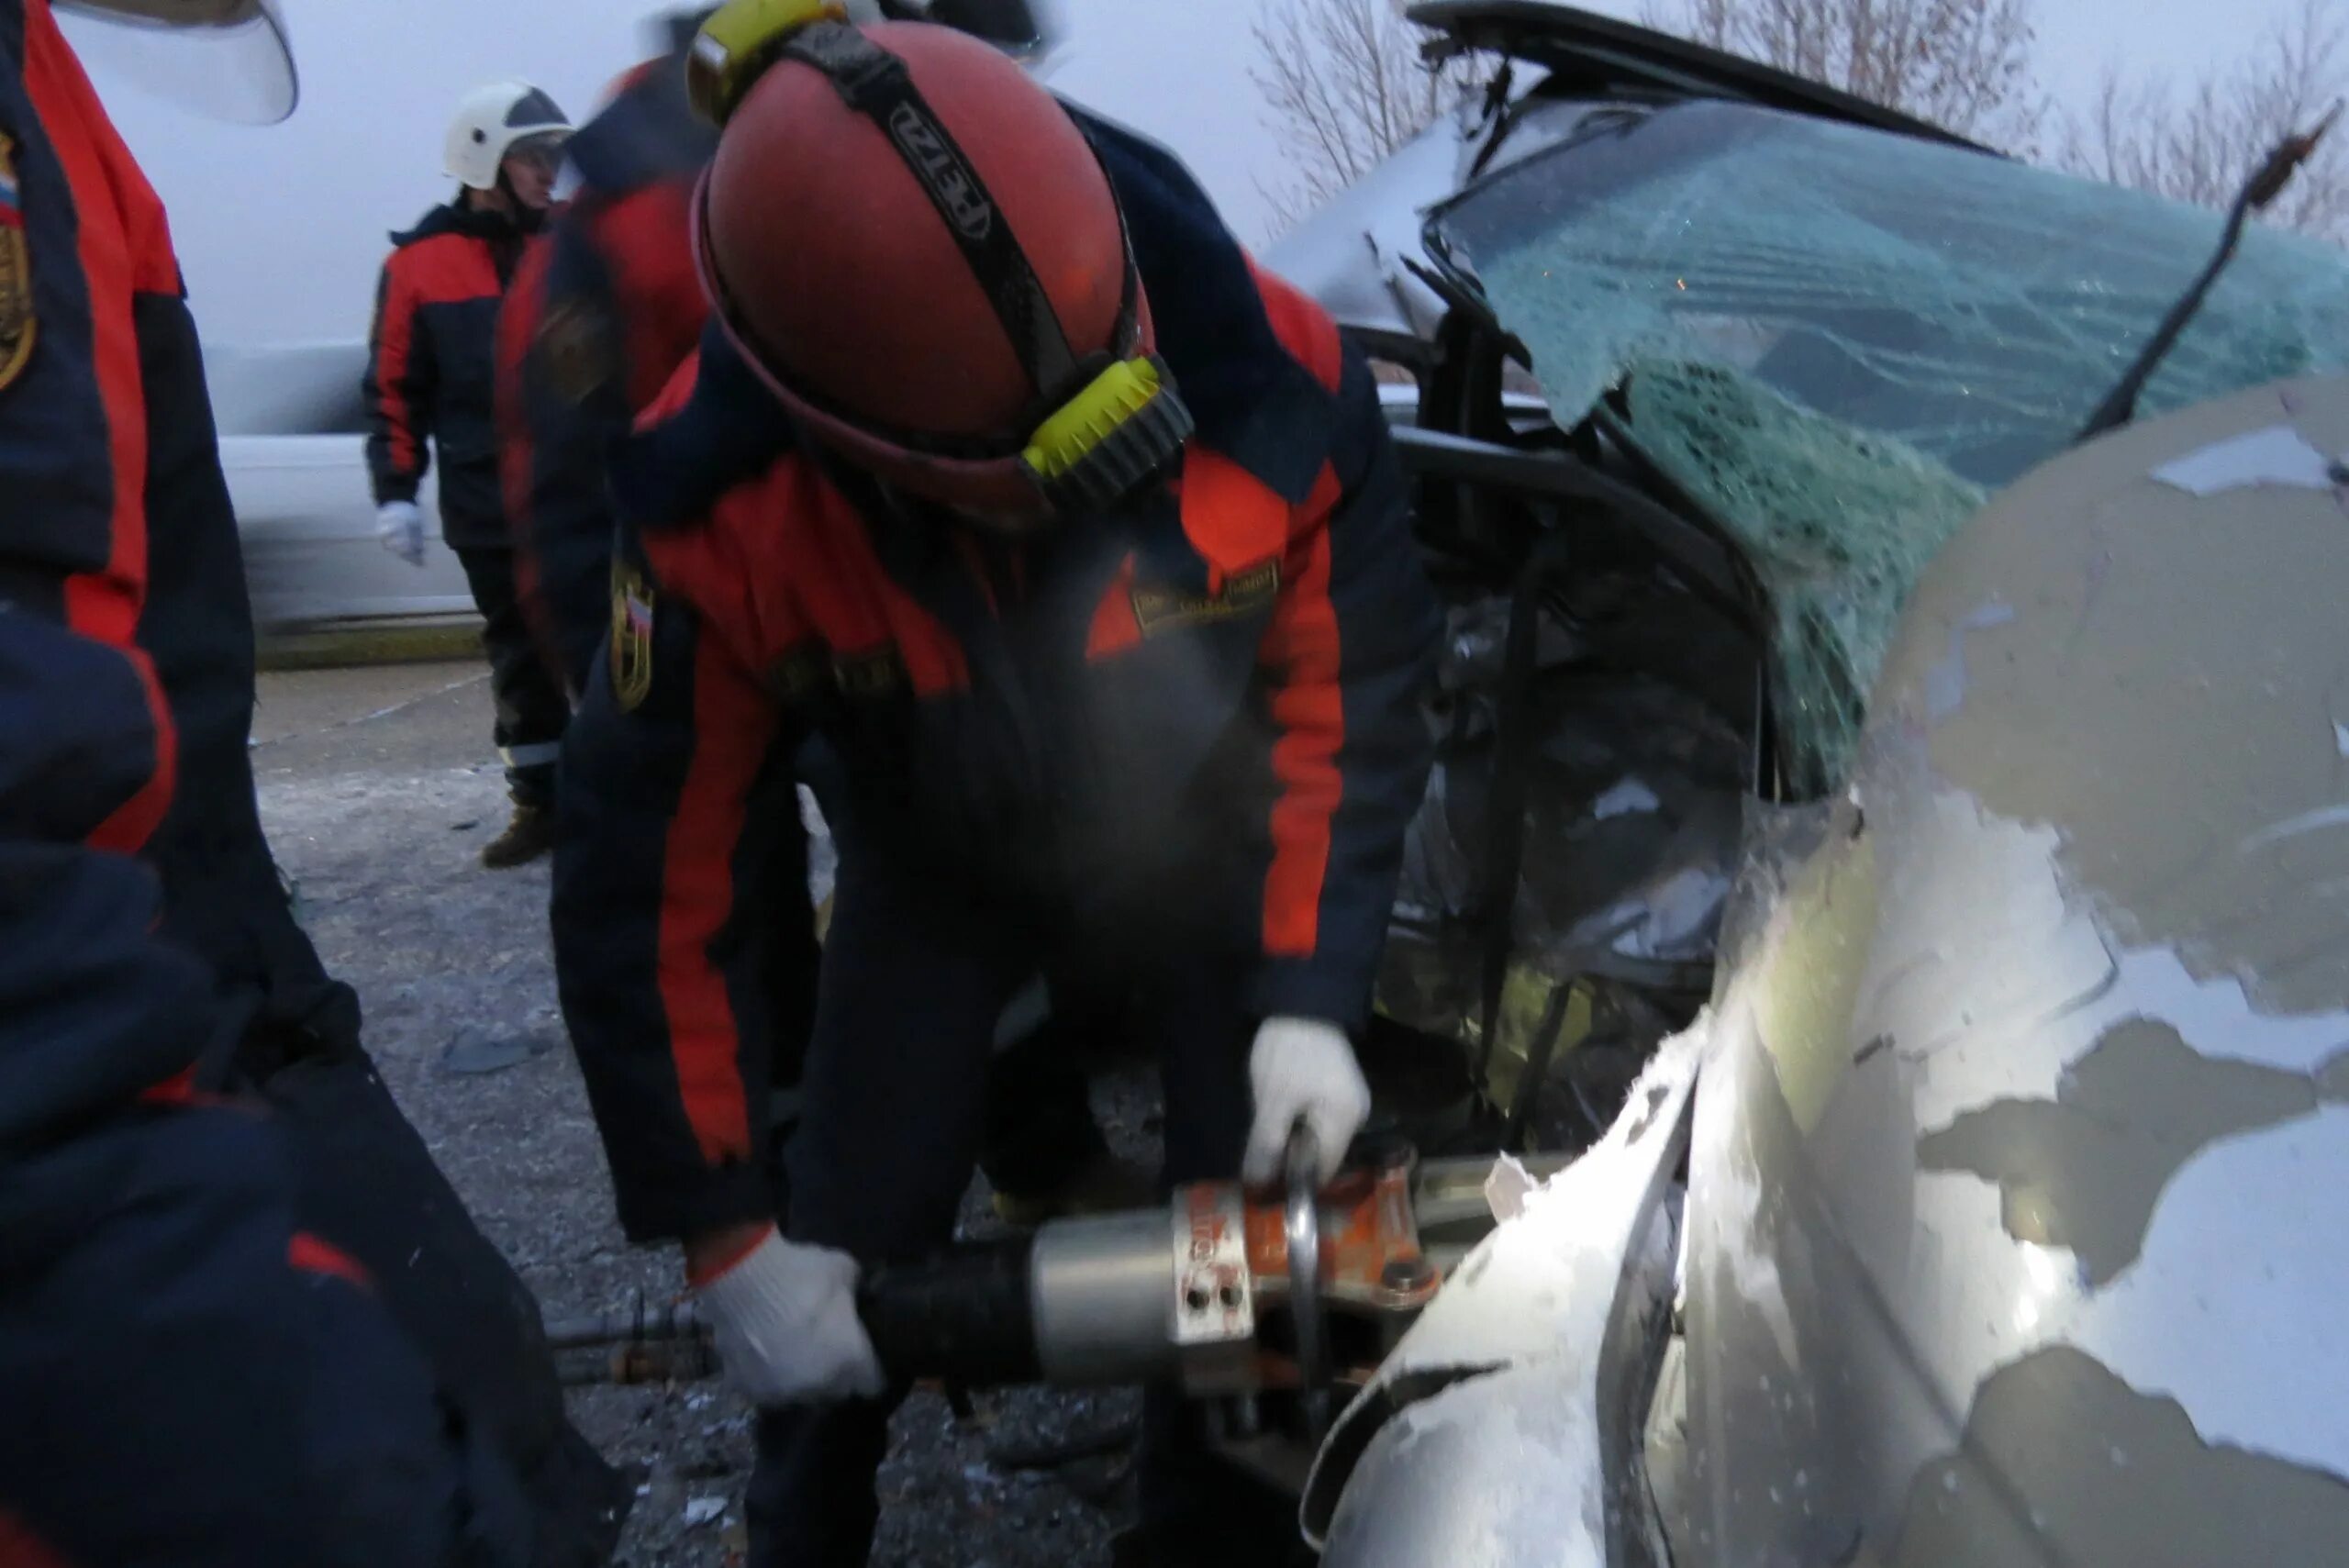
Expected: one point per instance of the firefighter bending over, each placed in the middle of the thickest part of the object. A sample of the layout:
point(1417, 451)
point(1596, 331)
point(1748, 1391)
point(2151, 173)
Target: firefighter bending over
point(1079, 539)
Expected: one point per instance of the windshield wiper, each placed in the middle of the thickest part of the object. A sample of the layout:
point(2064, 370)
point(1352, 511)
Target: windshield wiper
point(2267, 183)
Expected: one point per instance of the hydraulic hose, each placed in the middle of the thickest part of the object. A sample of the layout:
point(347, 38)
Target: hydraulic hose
point(963, 1317)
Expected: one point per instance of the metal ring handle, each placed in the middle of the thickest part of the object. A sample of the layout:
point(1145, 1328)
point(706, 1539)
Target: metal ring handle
point(1302, 1166)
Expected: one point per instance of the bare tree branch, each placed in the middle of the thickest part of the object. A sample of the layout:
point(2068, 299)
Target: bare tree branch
point(1967, 65)
point(2198, 142)
point(1344, 86)
point(1961, 64)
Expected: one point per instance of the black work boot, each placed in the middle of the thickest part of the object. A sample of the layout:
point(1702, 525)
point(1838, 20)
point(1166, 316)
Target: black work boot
point(529, 836)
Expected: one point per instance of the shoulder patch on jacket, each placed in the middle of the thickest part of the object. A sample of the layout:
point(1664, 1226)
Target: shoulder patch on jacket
point(17, 323)
point(574, 345)
point(631, 655)
point(1165, 609)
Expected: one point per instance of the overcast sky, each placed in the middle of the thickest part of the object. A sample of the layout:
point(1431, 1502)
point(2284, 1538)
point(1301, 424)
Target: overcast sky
point(280, 228)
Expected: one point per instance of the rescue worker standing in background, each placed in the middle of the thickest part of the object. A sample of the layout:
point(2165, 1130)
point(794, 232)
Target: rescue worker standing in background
point(604, 309)
point(1081, 542)
point(242, 1319)
point(431, 375)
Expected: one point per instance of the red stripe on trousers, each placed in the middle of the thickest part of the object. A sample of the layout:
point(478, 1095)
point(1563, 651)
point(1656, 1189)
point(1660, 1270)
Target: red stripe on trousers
point(314, 1255)
point(129, 827)
point(734, 723)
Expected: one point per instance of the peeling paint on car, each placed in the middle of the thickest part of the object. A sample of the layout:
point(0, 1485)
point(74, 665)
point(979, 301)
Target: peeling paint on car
point(1945, 683)
point(2086, 1170)
point(2276, 455)
point(2199, 676)
point(2056, 1070)
point(2332, 1080)
point(2062, 1462)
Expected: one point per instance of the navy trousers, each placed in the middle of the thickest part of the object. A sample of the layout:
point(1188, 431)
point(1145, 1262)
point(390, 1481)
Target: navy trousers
point(917, 969)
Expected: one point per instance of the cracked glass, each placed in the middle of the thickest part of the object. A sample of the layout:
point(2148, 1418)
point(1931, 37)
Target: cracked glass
point(1838, 342)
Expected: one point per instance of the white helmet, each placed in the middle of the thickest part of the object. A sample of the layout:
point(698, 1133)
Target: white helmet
point(490, 121)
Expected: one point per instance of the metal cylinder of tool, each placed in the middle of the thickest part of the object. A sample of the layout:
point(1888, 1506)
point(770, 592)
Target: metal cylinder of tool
point(1103, 1290)
point(1082, 1303)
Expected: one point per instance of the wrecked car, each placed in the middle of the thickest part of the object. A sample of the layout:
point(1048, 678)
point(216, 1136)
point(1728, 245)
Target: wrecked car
point(1978, 1209)
point(1880, 873)
point(1709, 361)
point(1987, 1217)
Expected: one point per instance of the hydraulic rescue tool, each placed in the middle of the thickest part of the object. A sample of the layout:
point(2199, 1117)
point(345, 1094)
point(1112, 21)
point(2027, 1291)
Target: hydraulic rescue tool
point(1230, 1291)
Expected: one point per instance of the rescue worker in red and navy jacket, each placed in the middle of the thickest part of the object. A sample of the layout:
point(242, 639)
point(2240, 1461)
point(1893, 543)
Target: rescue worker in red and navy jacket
point(221, 1343)
point(1081, 542)
point(604, 307)
point(432, 378)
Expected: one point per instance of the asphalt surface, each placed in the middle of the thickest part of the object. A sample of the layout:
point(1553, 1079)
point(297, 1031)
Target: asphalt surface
point(379, 787)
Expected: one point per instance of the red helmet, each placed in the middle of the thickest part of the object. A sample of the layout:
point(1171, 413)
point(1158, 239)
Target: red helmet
point(919, 251)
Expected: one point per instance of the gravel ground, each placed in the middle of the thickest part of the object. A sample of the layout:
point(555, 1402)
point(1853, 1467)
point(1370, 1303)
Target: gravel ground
point(377, 797)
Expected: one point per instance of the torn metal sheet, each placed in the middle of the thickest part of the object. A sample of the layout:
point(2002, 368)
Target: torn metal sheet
point(1501, 1379)
point(1507, 1189)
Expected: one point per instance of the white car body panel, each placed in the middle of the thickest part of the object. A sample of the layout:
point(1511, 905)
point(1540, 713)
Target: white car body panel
point(295, 456)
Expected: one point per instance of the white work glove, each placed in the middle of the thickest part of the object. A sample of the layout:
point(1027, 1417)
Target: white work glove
point(784, 1319)
point(401, 528)
point(1302, 1067)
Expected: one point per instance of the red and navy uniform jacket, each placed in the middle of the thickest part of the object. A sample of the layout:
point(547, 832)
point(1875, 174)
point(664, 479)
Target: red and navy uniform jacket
point(187, 1374)
point(432, 368)
point(115, 522)
point(1223, 674)
point(604, 307)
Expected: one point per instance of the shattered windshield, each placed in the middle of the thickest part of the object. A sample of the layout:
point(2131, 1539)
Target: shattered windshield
point(1839, 342)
